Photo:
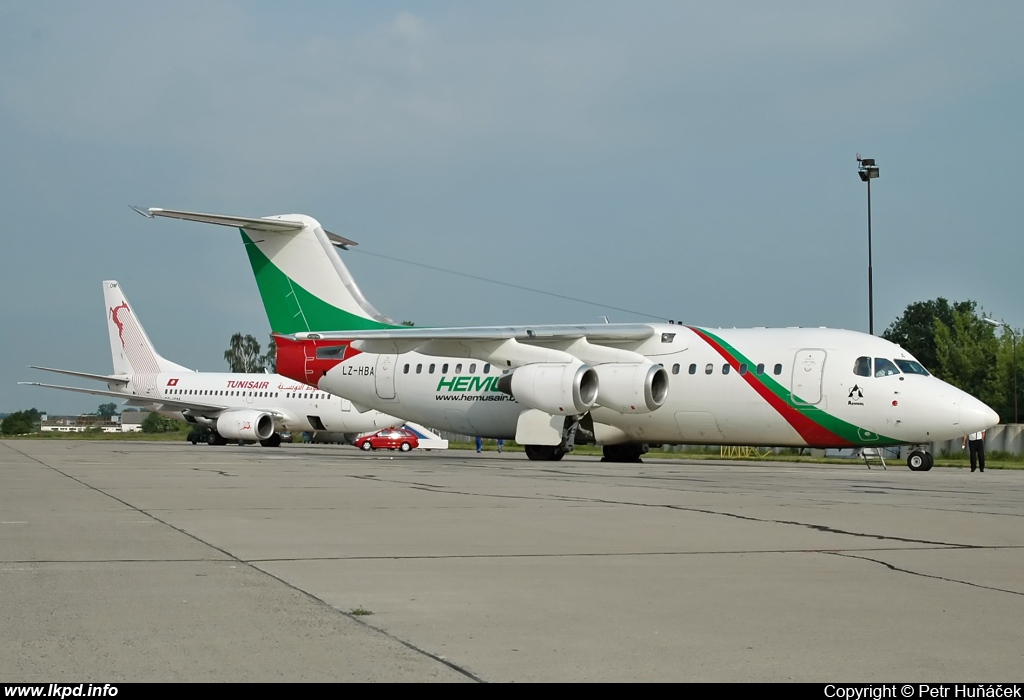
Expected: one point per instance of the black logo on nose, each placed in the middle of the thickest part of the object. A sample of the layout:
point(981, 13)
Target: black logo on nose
point(855, 392)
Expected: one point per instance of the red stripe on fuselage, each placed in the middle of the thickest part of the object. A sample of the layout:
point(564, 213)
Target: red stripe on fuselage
point(812, 433)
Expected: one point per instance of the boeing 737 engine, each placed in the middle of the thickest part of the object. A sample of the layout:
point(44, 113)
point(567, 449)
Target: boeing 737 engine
point(245, 425)
point(555, 388)
point(632, 388)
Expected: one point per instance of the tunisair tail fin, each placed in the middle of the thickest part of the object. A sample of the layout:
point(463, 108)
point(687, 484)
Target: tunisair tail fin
point(130, 347)
point(303, 282)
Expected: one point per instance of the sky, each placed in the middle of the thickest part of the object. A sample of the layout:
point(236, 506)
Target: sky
point(663, 160)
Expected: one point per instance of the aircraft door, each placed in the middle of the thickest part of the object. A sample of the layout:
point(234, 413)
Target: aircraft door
point(385, 376)
point(808, 368)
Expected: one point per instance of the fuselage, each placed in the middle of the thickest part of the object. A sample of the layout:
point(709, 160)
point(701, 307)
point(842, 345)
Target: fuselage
point(295, 406)
point(814, 387)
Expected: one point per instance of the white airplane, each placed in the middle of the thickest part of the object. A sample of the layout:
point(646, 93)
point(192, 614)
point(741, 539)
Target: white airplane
point(621, 386)
point(235, 406)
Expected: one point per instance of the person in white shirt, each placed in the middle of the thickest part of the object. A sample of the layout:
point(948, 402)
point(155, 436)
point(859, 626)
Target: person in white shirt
point(977, 445)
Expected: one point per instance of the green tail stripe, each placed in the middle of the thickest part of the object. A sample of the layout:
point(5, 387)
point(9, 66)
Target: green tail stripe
point(292, 309)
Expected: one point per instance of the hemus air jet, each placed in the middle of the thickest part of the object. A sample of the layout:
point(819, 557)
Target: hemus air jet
point(235, 406)
point(621, 386)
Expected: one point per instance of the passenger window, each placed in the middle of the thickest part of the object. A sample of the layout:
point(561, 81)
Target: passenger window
point(472, 368)
point(709, 369)
point(444, 368)
point(675, 368)
point(487, 368)
point(862, 367)
point(419, 368)
point(884, 367)
point(458, 368)
point(430, 370)
point(405, 370)
point(693, 369)
point(760, 368)
point(743, 368)
point(725, 368)
point(778, 370)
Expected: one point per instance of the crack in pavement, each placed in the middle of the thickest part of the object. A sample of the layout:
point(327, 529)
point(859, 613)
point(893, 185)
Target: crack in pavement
point(901, 570)
point(688, 509)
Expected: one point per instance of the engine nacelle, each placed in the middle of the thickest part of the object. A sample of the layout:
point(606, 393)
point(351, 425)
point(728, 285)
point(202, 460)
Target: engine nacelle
point(632, 388)
point(558, 388)
point(245, 425)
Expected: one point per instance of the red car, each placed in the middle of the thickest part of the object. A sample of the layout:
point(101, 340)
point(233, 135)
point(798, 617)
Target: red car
point(389, 438)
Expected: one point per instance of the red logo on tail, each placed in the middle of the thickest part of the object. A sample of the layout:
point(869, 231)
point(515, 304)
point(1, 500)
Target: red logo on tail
point(117, 321)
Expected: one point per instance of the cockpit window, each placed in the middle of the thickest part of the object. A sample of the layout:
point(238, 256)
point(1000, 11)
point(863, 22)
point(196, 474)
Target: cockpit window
point(862, 367)
point(884, 367)
point(911, 367)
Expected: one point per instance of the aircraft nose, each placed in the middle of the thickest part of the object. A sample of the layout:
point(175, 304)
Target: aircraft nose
point(976, 416)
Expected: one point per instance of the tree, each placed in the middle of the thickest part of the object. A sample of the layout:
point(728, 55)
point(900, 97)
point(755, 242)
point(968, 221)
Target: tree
point(1009, 350)
point(914, 331)
point(965, 354)
point(270, 358)
point(243, 355)
point(106, 410)
point(155, 423)
point(21, 422)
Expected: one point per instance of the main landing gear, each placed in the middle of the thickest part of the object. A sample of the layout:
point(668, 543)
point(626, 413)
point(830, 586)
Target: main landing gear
point(919, 461)
point(272, 441)
point(544, 453)
point(630, 452)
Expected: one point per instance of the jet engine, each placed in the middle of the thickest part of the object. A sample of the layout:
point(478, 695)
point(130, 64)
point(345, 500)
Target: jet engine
point(557, 388)
point(245, 425)
point(632, 388)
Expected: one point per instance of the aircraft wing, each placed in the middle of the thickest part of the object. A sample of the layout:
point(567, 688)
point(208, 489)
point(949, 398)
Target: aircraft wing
point(507, 346)
point(109, 378)
point(137, 399)
point(276, 225)
point(599, 332)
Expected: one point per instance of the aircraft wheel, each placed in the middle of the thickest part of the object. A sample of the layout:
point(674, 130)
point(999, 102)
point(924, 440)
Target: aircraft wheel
point(212, 438)
point(366, 446)
point(543, 453)
point(623, 453)
point(928, 461)
point(405, 447)
point(918, 462)
point(272, 441)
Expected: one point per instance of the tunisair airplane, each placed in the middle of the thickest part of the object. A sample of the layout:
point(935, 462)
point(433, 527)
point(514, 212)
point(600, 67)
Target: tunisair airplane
point(235, 406)
point(621, 386)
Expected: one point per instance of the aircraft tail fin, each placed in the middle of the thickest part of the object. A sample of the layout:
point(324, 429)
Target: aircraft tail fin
point(303, 282)
point(130, 347)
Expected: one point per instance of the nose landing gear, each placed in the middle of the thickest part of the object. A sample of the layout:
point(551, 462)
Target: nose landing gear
point(919, 461)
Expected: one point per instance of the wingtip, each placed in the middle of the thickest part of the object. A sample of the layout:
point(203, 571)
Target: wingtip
point(144, 212)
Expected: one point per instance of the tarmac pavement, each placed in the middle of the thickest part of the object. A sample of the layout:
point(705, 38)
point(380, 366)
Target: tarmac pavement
point(136, 561)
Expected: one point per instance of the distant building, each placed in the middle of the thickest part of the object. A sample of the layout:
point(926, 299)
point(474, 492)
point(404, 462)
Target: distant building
point(129, 422)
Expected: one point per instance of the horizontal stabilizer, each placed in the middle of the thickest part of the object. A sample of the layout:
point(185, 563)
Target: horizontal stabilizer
point(109, 378)
point(272, 224)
